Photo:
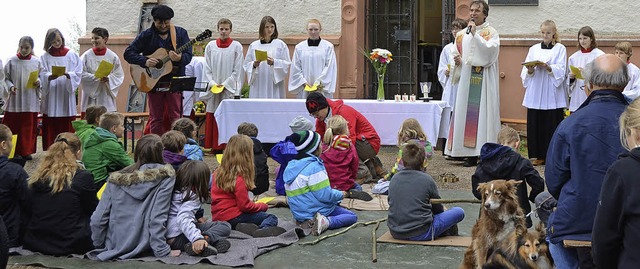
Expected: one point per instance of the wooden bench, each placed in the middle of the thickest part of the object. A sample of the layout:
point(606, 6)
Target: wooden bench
point(576, 244)
point(130, 119)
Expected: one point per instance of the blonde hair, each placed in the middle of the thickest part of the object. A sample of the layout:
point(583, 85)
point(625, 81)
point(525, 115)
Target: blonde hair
point(238, 161)
point(336, 125)
point(111, 119)
point(410, 129)
point(552, 24)
point(59, 164)
point(629, 120)
point(625, 47)
point(507, 135)
point(313, 21)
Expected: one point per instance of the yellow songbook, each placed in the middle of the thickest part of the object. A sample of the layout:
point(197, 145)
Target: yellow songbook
point(449, 67)
point(14, 141)
point(261, 55)
point(58, 70)
point(217, 88)
point(311, 88)
point(104, 69)
point(265, 200)
point(576, 71)
point(531, 63)
point(101, 190)
point(33, 76)
point(219, 158)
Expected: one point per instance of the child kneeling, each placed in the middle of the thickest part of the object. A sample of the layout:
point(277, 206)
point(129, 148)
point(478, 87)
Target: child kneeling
point(308, 189)
point(411, 214)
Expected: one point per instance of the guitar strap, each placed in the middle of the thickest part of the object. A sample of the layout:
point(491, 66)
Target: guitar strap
point(172, 32)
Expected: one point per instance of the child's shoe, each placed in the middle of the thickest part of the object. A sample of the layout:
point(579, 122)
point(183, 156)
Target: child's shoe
point(452, 231)
point(206, 252)
point(222, 245)
point(320, 224)
point(269, 231)
point(360, 195)
point(247, 228)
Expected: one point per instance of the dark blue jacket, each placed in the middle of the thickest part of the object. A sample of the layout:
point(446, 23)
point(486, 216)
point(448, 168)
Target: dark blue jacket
point(14, 196)
point(582, 148)
point(149, 41)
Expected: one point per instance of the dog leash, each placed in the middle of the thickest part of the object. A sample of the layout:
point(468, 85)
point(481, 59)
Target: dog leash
point(538, 207)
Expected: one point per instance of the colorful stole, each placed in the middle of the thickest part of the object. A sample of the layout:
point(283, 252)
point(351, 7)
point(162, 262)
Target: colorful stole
point(473, 107)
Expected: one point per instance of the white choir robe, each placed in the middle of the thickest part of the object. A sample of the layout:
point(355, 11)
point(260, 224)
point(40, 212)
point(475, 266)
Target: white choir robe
point(16, 73)
point(545, 90)
point(224, 66)
point(632, 90)
point(4, 90)
point(449, 89)
point(193, 69)
point(481, 49)
point(313, 65)
point(267, 81)
point(58, 95)
point(576, 92)
point(95, 92)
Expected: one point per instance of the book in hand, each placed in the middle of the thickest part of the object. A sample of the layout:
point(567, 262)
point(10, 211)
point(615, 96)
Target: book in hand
point(33, 76)
point(58, 71)
point(104, 69)
point(532, 63)
point(261, 55)
point(576, 71)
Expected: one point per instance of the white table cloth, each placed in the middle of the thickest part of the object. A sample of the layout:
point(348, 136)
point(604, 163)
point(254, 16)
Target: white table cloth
point(272, 117)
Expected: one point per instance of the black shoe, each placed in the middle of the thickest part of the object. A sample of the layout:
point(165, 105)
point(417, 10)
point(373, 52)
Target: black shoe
point(452, 231)
point(470, 161)
point(222, 245)
point(206, 252)
point(269, 231)
point(360, 195)
point(246, 228)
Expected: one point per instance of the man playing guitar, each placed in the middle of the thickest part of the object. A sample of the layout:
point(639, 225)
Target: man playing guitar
point(160, 35)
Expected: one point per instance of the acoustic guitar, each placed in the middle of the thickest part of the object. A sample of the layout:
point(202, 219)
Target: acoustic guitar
point(145, 78)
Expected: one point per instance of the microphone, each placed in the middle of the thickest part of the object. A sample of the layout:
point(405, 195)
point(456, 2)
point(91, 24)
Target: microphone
point(469, 28)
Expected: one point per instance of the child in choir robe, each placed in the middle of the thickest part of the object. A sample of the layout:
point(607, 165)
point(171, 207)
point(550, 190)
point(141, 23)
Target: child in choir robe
point(446, 78)
point(313, 64)
point(545, 97)
point(624, 52)
point(100, 91)
point(23, 101)
point(266, 77)
point(587, 53)
point(223, 68)
point(58, 105)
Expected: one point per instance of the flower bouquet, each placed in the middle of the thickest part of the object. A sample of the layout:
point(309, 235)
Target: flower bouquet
point(379, 58)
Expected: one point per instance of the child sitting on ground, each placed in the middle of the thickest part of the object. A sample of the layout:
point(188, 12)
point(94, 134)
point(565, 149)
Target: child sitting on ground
point(84, 128)
point(173, 142)
point(230, 192)
point(340, 159)
point(259, 158)
point(103, 153)
point(410, 131)
point(308, 192)
point(503, 161)
point(188, 128)
point(184, 232)
point(14, 202)
point(284, 151)
point(412, 216)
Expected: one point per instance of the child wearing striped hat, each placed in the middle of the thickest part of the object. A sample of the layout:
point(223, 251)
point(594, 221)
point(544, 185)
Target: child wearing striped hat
point(309, 193)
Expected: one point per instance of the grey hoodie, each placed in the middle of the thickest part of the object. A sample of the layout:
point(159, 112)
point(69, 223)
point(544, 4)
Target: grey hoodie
point(131, 217)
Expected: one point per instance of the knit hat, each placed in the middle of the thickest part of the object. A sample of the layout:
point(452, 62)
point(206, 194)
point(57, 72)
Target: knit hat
point(306, 141)
point(300, 123)
point(316, 101)
point(341, 142)
point(162, 12)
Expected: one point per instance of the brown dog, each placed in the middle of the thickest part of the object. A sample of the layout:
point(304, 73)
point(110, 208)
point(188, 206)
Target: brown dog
point(500, 215)
point(522, 251)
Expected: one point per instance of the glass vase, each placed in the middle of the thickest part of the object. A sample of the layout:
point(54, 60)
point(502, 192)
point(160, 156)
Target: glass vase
point(380, 87)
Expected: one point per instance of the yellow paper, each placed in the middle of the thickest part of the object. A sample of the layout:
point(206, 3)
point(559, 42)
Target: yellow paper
point(449, 67)
point(576, 71)
point(261, 55)
point(14, 140)
point(219, 158)
point(217, 88)
point(58, 70)
point(33, 76)
point(531, 63)
point(265, 200)
point(311, 88)
point(104, 69)
point(101, 190)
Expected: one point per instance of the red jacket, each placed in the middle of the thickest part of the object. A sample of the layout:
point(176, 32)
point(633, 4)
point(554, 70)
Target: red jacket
point(226, 206)
point(341, 165)
point(359, 126)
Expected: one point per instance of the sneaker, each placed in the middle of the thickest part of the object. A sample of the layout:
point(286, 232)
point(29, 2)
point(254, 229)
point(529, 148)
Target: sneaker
point(222, 245)
point(360, 195)
point(269, 231)
point(452, 231)
point(246, 228)
point(307, 224)
point(206, 252)
point(320, 224)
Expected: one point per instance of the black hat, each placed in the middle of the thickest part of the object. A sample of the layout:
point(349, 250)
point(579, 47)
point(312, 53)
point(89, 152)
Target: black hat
point(316, 101)
point(161, 12)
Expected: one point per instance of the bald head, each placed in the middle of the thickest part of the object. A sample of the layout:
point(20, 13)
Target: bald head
point(606, 72)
